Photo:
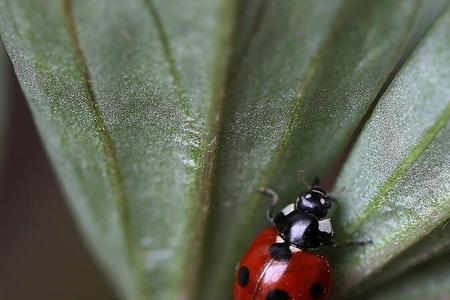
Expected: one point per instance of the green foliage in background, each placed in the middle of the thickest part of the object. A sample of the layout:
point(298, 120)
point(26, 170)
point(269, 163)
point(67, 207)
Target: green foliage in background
point(163, 117)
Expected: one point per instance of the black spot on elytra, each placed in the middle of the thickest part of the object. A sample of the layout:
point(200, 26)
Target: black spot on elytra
point(243, 276)
point(317, 290)
point(277, 294)
point(280, 251)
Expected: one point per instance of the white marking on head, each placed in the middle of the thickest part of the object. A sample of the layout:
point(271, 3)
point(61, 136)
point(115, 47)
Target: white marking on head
point(318, 191)
point(307, 196)
point(322, 201)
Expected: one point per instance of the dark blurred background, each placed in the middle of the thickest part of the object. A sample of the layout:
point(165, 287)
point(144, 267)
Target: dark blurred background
point(42, 255)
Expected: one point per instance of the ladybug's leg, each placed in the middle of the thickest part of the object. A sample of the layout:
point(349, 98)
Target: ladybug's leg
point(275, 199)
point(333, 195)
point(349, 244)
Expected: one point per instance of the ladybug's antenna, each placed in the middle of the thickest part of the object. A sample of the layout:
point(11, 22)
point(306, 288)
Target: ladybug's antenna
point(301, 178)
point(275, 199)
point(316, 182)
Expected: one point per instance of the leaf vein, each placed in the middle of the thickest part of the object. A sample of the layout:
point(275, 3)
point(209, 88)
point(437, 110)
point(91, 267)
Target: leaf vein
point(111, 161)
point(169, 56)
point(404, 166)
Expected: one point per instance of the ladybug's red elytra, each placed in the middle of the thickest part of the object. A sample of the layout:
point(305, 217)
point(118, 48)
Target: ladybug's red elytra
point(278, 265)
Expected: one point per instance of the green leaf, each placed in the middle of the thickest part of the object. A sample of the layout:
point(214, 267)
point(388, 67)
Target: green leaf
point(429, 281)
point(163, 117)
point(434, 244)
point(300, 112)
point(128, 117)
point(398, 172)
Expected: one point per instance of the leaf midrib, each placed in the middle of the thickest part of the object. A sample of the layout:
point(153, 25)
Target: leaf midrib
point(200, 191)
point(235, 57)
point(114, 172)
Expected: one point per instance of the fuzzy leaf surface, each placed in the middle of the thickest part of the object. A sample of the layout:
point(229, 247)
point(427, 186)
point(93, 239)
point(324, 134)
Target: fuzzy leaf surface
point(427, 281)
point(308, 77)
point(125, 95)
point(397, 176)
point(162, 118)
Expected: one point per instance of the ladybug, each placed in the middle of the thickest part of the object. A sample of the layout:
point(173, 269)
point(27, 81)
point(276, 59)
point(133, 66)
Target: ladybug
point(278, 265)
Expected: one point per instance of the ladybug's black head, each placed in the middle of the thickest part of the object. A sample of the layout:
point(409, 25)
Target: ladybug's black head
point(315, 201)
